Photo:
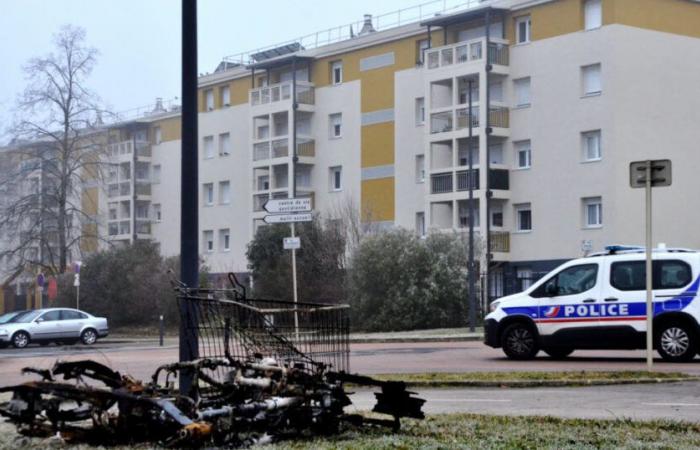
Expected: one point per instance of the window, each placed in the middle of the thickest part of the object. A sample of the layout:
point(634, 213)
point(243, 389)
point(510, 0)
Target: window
point(524, 277)
point(590, 79)
point(337, 72)
point(336, 178)
point(593, 212)
point(523, 217)
point(590, 142)
point(420, 223)
point(592, 14)
point(157, 214)
point(225, 192)
point(209, 99)
point(496, 91)
point(225, 93)
point(157, 135)
point(522, 92)
point(52, 316)
point(335, 121)
point(496, 153)
point(497, 215)
point(208, 241)
point(523, 154)
point(208, 147)
point(420, 111)
point(420, 168)
point(208, 194)
point(421, 46)
point(522, 29)
point(666, 274)
point(224, 144)
point(570, 281)
point(156, 174)
point(225, 240)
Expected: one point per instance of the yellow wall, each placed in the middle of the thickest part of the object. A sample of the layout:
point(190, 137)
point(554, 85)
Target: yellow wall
point(377, 144)
point(170, 129)
point(670, 16)
point(378, 200)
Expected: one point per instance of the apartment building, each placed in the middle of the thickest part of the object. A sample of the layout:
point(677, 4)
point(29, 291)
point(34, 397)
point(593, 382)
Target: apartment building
point(564, 94)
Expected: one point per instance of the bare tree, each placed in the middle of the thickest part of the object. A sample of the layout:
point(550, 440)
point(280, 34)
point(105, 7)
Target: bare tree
point(55, 154)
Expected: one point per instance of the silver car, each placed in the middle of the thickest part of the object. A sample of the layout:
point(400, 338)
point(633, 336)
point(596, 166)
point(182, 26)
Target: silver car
point(60, 325)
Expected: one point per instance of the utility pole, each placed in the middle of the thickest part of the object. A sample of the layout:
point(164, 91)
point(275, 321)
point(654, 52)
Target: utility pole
point(189, 215)
point(295, 158)
point(470, 205)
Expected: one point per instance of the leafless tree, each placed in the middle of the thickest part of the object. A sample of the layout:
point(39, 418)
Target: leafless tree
point(54, 156)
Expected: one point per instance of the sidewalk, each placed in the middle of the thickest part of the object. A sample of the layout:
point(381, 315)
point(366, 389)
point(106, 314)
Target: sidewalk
point(436, 335)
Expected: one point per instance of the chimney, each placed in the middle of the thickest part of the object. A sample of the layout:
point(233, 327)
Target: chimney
point(367, 27)
point(159, 105)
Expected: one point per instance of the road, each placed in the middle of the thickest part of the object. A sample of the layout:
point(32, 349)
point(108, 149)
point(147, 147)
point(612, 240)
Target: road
point(676, 401)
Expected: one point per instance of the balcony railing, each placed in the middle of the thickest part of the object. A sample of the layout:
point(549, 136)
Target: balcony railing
point(282, 91)
point(143, 188)
point(500, 241)
point(499, 116)
point(261, 151)
point(306, 147)
point(441, 122)
point(143, 149)
point(465, 179)
point(467, 51)
point(143, 227)
point(441, 183)
point(463, 118)
point(280, 148)
point(498, 53)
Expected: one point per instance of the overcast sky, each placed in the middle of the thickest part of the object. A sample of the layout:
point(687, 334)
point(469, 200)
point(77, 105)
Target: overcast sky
point(139, 40)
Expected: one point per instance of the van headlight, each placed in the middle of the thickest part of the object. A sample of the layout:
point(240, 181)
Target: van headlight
point(494, 305)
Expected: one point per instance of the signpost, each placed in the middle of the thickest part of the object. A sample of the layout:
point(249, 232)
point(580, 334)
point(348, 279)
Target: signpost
point(76, 283)
point(288, 205)
point(288, 218)
point(291, 243)
point(649, 174)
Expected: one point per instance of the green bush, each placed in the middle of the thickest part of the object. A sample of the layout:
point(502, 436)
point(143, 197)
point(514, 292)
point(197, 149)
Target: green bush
point(398, 281)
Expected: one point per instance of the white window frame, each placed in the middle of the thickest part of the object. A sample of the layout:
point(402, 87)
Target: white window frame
point(520, 147)
point(335, 120)
point(585, 71)
point(337, 69)
point(420, 111)
point(224, 196)
point(586, 137)
point(518, 224)
point(336, 174)
point(520, 86)
point(208, 147)
point(420, 223)
point(225, 96)
point(420, 168)
point(528, 29)
point(208, 194)
point(223, 138)
point(597, 204)
point(157, 212)
point(208, 238)
point(209, 99)
point(225, 239)
point(592, 14)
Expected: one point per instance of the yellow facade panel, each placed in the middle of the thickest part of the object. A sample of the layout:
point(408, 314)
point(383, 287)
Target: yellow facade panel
point(377, 145)
point(669, 16)
point(378, 200)
point(170, 129)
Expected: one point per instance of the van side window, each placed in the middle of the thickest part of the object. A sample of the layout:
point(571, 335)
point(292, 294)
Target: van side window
point(570, 281)
point(667, 274)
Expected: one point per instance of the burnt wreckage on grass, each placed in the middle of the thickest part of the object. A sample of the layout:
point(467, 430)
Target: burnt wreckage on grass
point(267, 370)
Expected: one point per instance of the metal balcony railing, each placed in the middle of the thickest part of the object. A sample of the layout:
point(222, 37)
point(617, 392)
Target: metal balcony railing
point(143, 188)
point(281, 92)
point(306, 147)
point(499, 116)
point(441, 183)
point(441, 122)
point(500, 241)
point(465, 179)
point(280, 148)
point(463, 118)
point(261, 151)
point(498, 53)
point(467, 51)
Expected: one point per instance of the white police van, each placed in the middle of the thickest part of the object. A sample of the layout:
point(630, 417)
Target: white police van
point(599, 302)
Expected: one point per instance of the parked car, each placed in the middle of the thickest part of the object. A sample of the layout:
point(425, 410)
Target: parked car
point(60, 325)
point(9, 316)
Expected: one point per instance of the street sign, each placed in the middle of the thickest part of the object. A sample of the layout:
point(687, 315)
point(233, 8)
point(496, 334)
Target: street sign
point(660, 173)
point(288, 205)
point(291, 243)
point(288, 218)
point(40, 279)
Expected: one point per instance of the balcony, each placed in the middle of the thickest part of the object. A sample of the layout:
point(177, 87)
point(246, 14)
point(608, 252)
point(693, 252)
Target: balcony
point(261, 151)
point(441, 122)
point(500, 241)
point(119, 228)
point(465, 180)
point(281, 92)
point(306, 147)
point(499, 179)
point(499, 117)
point(280, 148)
point(468, 51)
point(463, 118)
point(441, 183)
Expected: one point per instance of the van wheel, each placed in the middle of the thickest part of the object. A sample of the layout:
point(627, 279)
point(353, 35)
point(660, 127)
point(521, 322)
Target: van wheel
point(519, 342)
point(558, 352)
point(676, 342)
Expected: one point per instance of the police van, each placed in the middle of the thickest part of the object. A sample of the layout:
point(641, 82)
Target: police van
point(599, 302)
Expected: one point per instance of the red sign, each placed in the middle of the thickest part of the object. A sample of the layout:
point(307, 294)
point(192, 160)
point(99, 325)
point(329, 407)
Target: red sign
point(52, 291)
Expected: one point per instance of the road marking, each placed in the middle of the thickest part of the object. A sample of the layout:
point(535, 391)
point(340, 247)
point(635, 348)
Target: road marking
point(671, 404)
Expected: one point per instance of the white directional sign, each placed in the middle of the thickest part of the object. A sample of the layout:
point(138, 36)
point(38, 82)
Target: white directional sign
point(291, 243)
point(288, 205)
point(288, 218)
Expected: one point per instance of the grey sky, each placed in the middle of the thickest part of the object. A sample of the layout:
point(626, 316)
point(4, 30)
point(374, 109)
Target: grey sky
point(139, 40)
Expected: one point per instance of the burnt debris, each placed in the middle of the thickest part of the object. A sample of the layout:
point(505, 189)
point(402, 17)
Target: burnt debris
point(267, 370)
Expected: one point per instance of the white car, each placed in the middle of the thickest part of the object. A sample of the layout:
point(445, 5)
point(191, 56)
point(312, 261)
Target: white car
point(599, 302)
point(60, 325)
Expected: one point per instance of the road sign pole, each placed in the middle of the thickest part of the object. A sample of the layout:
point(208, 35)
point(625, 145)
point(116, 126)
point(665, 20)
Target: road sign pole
point(649, 280)
point(294, 288)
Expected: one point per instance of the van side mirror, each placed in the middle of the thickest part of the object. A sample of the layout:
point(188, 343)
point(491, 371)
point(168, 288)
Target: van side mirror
point(551, 290)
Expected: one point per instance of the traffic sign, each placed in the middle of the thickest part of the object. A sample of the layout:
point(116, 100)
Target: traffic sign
point(288, 205)
point(288, 218)
point(291, 243)
point(660, 173)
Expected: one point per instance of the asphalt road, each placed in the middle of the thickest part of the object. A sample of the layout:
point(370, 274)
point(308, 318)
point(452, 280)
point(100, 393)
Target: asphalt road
point(674, 401)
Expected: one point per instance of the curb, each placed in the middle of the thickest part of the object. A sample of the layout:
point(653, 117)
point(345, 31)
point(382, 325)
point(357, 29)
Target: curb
point(403, 340)
point(542, 383)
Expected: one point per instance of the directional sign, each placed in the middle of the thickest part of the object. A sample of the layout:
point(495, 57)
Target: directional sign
point(291, 243)
point(660, 173)
point(288, 218)
point(288, 205)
